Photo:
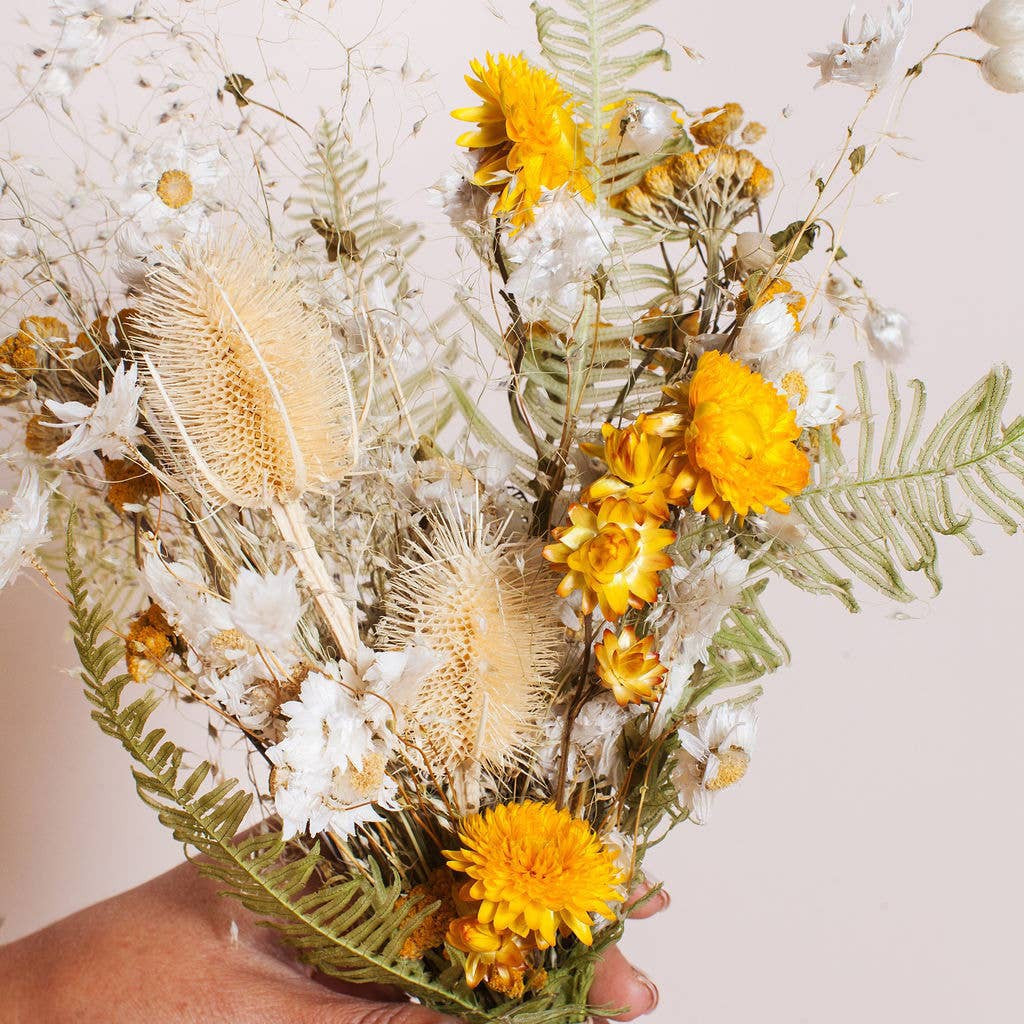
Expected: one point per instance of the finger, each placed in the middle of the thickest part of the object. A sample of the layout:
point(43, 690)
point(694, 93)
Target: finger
point(620, 990)
point(641, 905)
point(377, 993)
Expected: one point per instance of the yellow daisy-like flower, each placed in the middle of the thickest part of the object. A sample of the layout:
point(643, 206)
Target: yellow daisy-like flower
point(537, 870)
point(525, 132)
point(640, 467)
point(613, 555)
point(628, 667)
point(739, 435)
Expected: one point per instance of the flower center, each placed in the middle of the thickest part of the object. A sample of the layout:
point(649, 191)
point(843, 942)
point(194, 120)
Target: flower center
point(611, 550)
point(367, 780)
point(795, 386)
point(175, 189)
point(732, 766)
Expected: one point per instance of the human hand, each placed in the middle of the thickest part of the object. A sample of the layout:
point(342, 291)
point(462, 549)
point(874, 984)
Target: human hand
point(173, 951)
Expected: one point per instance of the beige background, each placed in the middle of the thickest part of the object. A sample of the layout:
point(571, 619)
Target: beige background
point(868, 868)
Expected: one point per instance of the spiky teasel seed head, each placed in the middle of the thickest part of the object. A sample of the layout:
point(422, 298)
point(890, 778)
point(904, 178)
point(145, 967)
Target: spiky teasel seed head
point(251, 390)
point(482, 604)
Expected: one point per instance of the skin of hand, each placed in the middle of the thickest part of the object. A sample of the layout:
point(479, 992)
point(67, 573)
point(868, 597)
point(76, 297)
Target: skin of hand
point(173, 951)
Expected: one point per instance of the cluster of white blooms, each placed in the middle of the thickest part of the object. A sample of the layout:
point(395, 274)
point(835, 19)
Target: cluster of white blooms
point(1001, 23)
point(695, 600)
point(169, 190)
point(866, 59)
point(553, 258)
point(107, 426)
point(808, 378)
point(642, 127)
point(267, 608)
point(23, 525)
point(330, 767)
point(83, 29)
point(715, 752)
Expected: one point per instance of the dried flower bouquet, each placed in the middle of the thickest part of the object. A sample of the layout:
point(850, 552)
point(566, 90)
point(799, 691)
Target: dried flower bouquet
point(482, 658)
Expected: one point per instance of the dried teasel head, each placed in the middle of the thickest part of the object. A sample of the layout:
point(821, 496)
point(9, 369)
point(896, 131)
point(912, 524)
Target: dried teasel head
point(252, 393)
point(485, 609)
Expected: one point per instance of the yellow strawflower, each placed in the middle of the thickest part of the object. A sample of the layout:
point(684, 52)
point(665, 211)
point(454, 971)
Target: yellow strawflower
point(613, 555)
point(739, 436)
point(640, 467)
point(536, 871)
point(498, 958)
point(628, 667)
point(525, 133)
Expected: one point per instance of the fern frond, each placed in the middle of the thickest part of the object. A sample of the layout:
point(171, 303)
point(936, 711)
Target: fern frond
point(881, 519)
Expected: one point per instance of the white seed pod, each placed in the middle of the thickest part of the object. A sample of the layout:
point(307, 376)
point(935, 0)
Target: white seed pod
point(251, 390)
point(1001, 22)
point(1003, 68)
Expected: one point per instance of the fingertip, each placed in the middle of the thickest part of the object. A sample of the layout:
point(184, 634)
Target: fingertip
point(620, 990)
point(647, 899)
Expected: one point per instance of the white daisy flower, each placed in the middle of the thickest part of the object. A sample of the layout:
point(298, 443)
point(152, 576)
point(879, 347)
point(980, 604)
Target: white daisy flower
point(329, 769)
point(267, 608)
point(553, 258)
point(107, 426)
point(715, 753)
point(888, 333)
point(642, 127)
point(765, 329)
point(867, 59)
point(23, 525)
point(807, 378)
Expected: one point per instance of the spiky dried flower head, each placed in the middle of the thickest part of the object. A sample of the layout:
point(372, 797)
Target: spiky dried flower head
point(536, 871)
point(251, 390)
point(482, 605)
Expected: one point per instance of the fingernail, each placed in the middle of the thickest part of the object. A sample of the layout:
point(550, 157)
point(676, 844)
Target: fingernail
point(650, 988)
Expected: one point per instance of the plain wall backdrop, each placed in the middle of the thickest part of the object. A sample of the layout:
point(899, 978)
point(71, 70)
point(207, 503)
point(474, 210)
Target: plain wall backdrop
point(868, 867)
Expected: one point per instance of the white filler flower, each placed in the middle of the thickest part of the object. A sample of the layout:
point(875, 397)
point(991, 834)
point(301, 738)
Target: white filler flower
point(766, 329)
point(1003, 68)
point(107, 426)
point(554, 257)
point(888, 333)
point(642, 127)
point(23, 525)
point(329, 768)
point(715, 753)
point(267, 608)
point(867, 59)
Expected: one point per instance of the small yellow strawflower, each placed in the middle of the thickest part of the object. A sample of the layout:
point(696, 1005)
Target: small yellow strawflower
point(536, 870)
point(525, 129)
point(640, 467)
point(739, 435)
point(628, 667)
point(613, 555)
point(500, 959)
point(710, 130)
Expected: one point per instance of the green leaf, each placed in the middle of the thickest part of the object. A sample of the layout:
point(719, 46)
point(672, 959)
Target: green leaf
point(237, 86)
point(857, 158)
point(804, 236)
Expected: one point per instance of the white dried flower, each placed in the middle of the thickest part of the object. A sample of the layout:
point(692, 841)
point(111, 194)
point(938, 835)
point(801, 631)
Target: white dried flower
point(466, 205)
point(107, 426)
point(765, 329)
point(867, 59)
point(267, 608)
point(888, 333)
point(1003, 68)
point(330, 767)
point(643, 127)
point(807, 378)
point(754, 251)
point(554, 257)
point(23, 525)
point(1001, 22)
point(715, 753)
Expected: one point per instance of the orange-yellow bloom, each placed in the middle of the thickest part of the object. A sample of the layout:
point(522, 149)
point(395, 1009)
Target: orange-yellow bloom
point(628, 667)
point(640, 467)
point(525, 132)
point(536, 870)
point(613, 555)
point(739, 435)
point(498, 958)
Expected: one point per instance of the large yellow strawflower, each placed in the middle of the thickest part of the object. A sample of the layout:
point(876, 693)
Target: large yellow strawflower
point(525, 129)
point(613, 555)
point(738, 433)
point(537, 870)
point(640, 467)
